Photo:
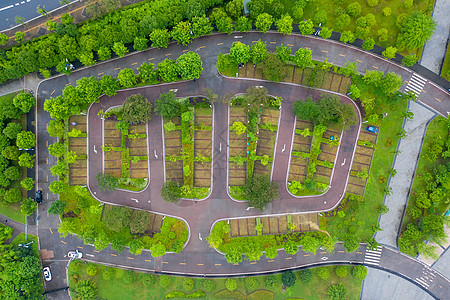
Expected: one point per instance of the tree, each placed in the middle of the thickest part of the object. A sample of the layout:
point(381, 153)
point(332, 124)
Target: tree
point(167, 105)
point(59, 169)
point(27, 184)
point(263, 22)
point(88, 89)
point(284, 25)
point(170, 192)
point(168, 70)
point(12, 195)
point(341, 271)
point(310, 243)
point(108, 274)
point(238, 127)
point(107, 182)
point(104, 53)
point(189, 65)
point(390, 52)
point(354, 9)
point(284, 53)
point(359, 272)
point(416, 29)
point(12, 173)
point(243, 24)
point(3, 39)
point(323, 273)
point(224, 24)
point(351, 243)
point(201, 26)
point(288, 278)
point(338, 291)
point(147, 73)
point(321, 17)
point(109, 85)
point(28, 206)
point(120, 49)
point(57, 207)
point(57, 187)
point(140, 43)
point(303, 58)
point(19, 35)
point(306, 275)
point(160, 38)
point(136, 109)
point(56, 149)
point(231, 284)
point(409, 60)
point(259, 191)
point(91, 270)
point(136, 247)
point(24, 101)
point(234, 8)
point(86, 289)
point(158, 249)
point(11, 152)
point(347, 37)
point(127, 78)
point(25, 140)
point(306, 27)
point(259, 52)
point(55, 128)
point(87, 58)
point(326, 32)
point(26, 160)
point(182, 33)
point(240, 53)
point(165, 281)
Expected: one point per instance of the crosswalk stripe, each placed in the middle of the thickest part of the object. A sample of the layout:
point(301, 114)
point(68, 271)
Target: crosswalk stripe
point(419, 280)
point(371, 251)
point(371, 263)
point(373, 256)
point(415, 76)
point(419, 86)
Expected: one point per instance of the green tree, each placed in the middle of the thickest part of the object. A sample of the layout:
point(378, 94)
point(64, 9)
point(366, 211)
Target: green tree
point(27, 184)
point(284, 25)
point(57, 207)
point(341, 271)
point(224, 24)
point(57, 187)
point(263, 22)
point(11, 152)
point(127, 78)
point(12, 195)
point(231, 284)
point(13, 173)
point(201, 26)
point(338, 291)
point(182, 33)
point(284, 53)
point(86, 289)
point(3, 39)
point(291, 247)
point(326, 32)
point(258, 52)
point(140, 43)
point(168, 70)
point(323, 273)
point(160, 38)
point(409, 60)
point(390, 52)
point(260, 191)
point(26, 140)
point(87, 58)
point(19, 35)
point(104, 53)
point(240, 53)
point(26, 160)
point(167, 105)
point(136, 247)
point(107, 182)
point(147, 73)
point(347, 37)
point(165, 281)
point(24, 101)
point(234, 8)
point(91, 270)
point(108, 274)
point(28, 206)
point(109, 85)
point(359, 272)
point(189, 65)
point(55, 128)
point(306, 275)
point(288, 278)
point(136, 109)
point(56, 149)
point(342, 21)
point(351, 243)
point(120, 49)
point(416, 29)
point(354, 9)
point(306, 27)
point(303, 58)
point(243, 24)
point(238, 127)
point(158, 249)
point(170, 192)
point(59, 169)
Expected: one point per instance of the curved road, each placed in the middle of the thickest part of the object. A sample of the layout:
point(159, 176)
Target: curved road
point(198, 258)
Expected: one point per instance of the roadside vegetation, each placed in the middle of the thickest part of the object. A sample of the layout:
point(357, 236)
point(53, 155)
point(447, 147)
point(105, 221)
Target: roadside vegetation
point(16, 146)
point(423, 224)
point(333, 282)
point(401, 25)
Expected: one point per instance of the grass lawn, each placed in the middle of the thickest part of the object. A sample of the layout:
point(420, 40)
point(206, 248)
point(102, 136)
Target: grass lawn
point(436, 128)
point(446, 66)
point(117, 288)
point(13, 212)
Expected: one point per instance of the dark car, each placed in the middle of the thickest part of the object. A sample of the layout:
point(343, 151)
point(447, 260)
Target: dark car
point(39, 196)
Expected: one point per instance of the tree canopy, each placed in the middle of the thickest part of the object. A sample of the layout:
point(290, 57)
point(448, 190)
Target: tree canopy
point(136, 109)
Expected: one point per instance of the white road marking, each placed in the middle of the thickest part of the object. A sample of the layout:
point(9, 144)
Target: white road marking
point(200, 236)
point(135, 200)
point(284, 148)
point(95, 151)
point(343, 162)
point(248, 208)
point(155, 154)
point(220, 147)
point(6, 7)
point(89, 255)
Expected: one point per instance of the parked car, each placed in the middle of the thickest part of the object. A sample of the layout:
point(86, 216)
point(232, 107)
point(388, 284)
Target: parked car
point(372, 129)
point(75, 254)
point(47, 274)
point(39, 196)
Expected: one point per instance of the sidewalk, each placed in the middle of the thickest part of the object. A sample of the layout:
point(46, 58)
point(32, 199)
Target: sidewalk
point(434, 50)
point(28, 82)
point(405, 163)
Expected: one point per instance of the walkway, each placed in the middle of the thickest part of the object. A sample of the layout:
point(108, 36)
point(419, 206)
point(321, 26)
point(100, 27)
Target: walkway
point(434, 50)
point(405, 164)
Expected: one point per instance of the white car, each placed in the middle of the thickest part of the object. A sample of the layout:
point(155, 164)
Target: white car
point(75, 254)
point(47, 274)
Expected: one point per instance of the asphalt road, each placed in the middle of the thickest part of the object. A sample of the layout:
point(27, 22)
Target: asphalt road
point(10, 9)
point(207, 261)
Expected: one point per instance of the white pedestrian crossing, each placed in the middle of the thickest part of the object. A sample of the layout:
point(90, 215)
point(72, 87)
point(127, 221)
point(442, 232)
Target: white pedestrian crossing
point(373, 257)
point(427, 277)
point(416, 84)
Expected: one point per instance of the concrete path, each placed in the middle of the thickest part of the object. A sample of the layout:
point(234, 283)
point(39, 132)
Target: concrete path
point(434, 51)
point(28, 82)
point(382, 285)
point(443, 264)
point(405, 163)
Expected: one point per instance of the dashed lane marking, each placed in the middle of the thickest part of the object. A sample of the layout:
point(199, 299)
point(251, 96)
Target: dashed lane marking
point(47, 196)
point(186, 50)
point(130, 257)
point(423, 91)
point(235, 264)
point(254, 41)
point(219, 44)
point(97, 251)
point(47, 178)
point(200, 264)
point(89, 255)
point(53, 92)
point(79, 247)
point(375, 67)
point(202, 47)
point(290, 45)
point(306, 255)
point(67, 84)
point(134, 64)
point(50, 230)
point(151, 58)
point(117, 69)
point(182, 263)
point(359, 60)
point(341, 251)
point(253, 263)
point(148, 260)
point(64, 242)
point(165, 262)
point(100, 73)
point(113, 254)
point(437, 99)
point(308, 48)
point(46, 144)
point(323, 252)
point(217, 264)
point(325, 51)
point(341, 55)
point(273, 42)
point(46, 161)
point(356, 252)
point(168, 54)
point(288, 258)
point(272, 260)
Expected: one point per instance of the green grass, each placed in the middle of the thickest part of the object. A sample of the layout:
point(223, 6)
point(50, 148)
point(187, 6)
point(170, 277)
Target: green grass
point(20, 239)
point(436, 128)
point(237, 192)
point(116, 288)
point(446, 66)
point(12, 211)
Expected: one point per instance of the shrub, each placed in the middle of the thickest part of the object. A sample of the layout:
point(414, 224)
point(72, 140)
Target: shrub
point(108, 274)
point(387, 11)
point(251, 283)
point(337, 292)
point(372, 3)
point(147, 279)
point(323, 273)
point(91, 270)
point(306, 275)
point(188, 284)
point(208, 285)
point(129, 276)
point(271, 281)
point(165, 281)
point(231, 284)
point(359, 272)
point(288, 278)
point(341, 271)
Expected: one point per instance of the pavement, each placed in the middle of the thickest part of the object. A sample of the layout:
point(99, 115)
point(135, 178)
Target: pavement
point(443, 263)
point(405, 164)
point(434, 51)
point(197, 258)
